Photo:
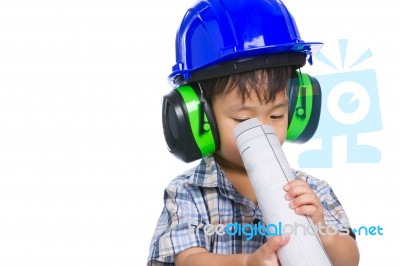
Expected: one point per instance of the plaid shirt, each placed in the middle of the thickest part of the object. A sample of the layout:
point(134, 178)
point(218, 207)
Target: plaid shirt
point(203, 195)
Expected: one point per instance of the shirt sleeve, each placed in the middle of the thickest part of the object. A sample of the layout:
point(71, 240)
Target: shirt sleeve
point(177, 228)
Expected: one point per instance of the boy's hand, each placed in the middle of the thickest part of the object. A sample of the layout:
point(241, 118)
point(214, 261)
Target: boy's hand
point(266, 255)
point(303, 200)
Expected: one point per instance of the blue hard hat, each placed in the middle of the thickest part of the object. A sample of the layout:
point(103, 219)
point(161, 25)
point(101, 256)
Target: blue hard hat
point(221, 34)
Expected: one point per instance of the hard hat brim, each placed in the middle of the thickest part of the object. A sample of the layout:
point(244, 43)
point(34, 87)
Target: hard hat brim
point(180, 75)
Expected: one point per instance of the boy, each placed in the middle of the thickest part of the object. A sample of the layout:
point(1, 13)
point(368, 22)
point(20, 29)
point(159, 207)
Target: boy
point(237, 60)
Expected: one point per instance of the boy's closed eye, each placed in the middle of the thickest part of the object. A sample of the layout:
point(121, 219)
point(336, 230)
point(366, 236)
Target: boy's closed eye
point(273, 117)
point(240, 120)
point(277, 117)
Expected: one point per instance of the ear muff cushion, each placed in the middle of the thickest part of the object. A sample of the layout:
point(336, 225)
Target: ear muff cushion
point(178, 136)
point(187, 136)
point(304, 94)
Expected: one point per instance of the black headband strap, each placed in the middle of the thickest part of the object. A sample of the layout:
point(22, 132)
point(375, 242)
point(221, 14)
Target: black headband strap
point(249, 64)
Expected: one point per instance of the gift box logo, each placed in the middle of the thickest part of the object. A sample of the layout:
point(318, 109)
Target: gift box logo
point(350, 106)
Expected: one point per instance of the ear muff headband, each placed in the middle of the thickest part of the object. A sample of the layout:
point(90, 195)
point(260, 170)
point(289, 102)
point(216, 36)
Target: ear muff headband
point(201, 131)
point(304, 116)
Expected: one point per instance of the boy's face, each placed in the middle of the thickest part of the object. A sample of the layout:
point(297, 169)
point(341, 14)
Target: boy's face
point(229, 110)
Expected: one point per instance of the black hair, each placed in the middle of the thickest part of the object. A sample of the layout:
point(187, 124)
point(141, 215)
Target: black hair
point(266, 83)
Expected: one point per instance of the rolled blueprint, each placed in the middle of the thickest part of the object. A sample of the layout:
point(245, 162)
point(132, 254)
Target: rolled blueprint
point(269, 171)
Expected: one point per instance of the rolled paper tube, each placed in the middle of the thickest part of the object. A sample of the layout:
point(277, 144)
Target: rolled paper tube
point(268, 170)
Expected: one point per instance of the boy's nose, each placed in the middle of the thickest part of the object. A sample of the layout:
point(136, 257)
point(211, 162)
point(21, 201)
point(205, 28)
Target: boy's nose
point(263, 120)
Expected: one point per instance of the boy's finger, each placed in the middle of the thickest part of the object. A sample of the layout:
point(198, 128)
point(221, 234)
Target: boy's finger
point(294, 183)
point(295, 191)
point(275, 243)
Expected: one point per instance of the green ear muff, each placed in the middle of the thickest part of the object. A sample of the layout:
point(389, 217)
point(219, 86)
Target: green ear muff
point(304, 108)
point(188, 123)
point(198, 120)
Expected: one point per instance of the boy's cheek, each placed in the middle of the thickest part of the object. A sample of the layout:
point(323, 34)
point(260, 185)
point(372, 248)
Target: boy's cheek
point(230, 154)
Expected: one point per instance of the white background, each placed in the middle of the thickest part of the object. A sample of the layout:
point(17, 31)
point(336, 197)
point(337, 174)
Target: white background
point(83, 162)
